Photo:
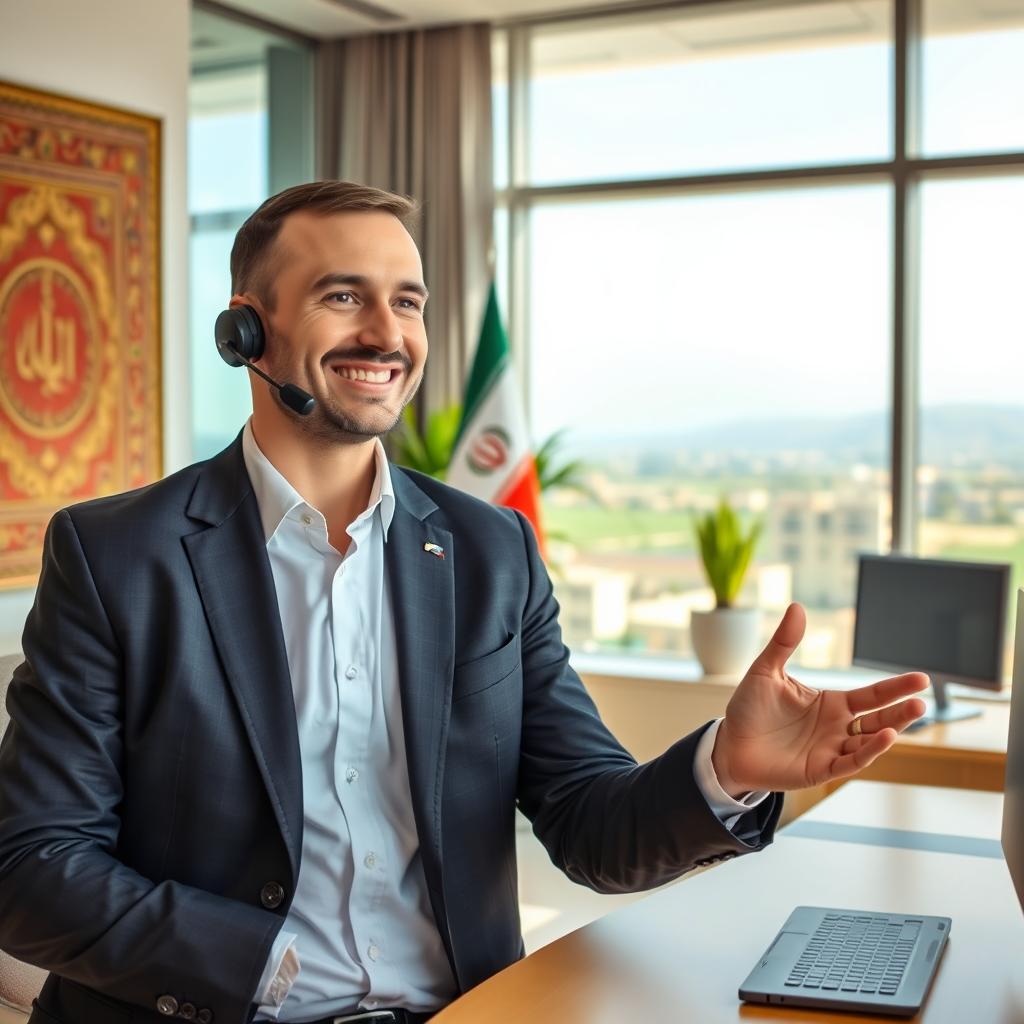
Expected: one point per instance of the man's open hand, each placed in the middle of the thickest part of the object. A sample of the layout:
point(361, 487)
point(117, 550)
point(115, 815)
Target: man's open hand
point(779, 734)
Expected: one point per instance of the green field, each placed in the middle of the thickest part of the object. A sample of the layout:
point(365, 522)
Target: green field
point(621, 529)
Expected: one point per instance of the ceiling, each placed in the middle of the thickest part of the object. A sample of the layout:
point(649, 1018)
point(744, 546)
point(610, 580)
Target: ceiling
point(668, 33)
point(327, 18)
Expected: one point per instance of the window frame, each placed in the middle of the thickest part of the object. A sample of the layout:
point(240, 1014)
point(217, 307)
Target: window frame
point(904, 173)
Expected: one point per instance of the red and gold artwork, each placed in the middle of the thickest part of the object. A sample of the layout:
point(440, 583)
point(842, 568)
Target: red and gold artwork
point(79, 312)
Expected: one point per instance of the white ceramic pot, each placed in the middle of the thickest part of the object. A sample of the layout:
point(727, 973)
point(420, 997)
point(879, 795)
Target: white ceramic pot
point(726, 640)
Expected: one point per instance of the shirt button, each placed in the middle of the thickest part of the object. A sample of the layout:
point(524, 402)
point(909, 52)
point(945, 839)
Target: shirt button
point(371, 1003)
point(187, 1011)
point(351, 775)
point(307, 518)
point(204, 1016)
point(373, 952)
point(370, 860)
point(168, 1005)
point(351, 672)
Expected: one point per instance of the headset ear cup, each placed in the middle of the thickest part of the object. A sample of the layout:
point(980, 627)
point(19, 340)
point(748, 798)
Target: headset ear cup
point(255, 341)
point(239, 329)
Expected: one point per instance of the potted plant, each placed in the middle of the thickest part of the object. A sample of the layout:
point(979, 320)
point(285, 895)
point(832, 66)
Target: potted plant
point(725, 639)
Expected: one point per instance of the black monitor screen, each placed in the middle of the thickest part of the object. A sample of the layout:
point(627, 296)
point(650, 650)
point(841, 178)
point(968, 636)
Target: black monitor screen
point(946, 618)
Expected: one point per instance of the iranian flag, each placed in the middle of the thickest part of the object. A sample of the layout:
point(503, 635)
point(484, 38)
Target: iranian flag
point(492, 459)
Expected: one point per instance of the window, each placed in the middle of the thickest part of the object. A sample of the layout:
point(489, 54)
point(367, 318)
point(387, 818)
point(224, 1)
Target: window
point(972, 55)
point(709, 90)
point(706, 305)
point(971, 476)
point(235, 162)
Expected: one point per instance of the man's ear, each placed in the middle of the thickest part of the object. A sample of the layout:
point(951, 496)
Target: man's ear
point(248, 299)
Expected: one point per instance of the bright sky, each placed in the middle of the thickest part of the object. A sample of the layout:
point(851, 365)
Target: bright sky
point(670, 314)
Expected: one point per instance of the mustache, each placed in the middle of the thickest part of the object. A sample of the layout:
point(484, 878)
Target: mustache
point(369, 355)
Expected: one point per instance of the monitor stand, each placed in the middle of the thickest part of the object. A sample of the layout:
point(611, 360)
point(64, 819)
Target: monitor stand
point(942, 709)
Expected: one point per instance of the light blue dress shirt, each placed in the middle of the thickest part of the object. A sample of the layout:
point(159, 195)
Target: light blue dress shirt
point(360, 930)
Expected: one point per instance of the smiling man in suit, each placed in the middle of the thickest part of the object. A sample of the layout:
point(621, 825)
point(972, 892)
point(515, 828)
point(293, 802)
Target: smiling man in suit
point(267, 743)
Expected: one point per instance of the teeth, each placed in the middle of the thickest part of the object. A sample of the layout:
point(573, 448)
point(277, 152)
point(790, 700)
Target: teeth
point(379, 377)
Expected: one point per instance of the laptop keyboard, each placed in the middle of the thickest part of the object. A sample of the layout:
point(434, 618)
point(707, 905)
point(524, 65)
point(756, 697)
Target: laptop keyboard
point(856, 953)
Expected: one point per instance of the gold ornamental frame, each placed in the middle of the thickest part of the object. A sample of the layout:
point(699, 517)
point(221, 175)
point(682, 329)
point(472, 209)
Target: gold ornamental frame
point(80, 312)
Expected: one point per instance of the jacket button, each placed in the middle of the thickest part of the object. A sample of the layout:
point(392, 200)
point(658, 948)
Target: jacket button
point(187, 1011)
point(272, 895)
point(167, 1005)
point(204, 1016)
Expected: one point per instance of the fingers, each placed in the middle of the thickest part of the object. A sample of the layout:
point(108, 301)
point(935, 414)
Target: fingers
point(855, 743)
point(897, 716)
point(864, 750)
point(877, 695)
point(785, 641)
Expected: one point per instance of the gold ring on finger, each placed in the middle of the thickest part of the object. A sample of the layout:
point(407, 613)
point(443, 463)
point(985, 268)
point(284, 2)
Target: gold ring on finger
point(856, 728)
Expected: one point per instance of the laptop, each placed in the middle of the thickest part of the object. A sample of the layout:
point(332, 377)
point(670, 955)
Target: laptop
point(834, 959)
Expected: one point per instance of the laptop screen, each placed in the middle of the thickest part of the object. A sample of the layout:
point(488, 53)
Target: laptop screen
point(1013, 801)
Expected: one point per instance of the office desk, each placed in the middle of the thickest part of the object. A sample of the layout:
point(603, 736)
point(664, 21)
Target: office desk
point(649, 715)
point(681, 954)
point(970, 754)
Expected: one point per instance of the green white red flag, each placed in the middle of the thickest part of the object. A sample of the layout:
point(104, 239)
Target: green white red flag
point(493, 459)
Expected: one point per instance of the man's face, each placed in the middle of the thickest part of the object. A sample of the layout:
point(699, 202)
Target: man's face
point(347, 324)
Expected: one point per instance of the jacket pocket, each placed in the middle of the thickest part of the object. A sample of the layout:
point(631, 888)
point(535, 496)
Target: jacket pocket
point(482, 673)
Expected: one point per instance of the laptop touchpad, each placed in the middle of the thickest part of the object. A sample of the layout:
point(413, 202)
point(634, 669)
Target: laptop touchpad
point(788, 945)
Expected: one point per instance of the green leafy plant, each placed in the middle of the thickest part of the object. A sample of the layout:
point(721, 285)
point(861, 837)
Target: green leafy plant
point(725, 550)
point(431, 451)
point(552, 473)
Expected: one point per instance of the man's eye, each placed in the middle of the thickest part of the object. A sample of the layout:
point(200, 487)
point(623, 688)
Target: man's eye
point(409, 304)
point(341, 296)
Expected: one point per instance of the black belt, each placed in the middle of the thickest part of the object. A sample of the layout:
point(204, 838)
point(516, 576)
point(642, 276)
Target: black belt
point(374, 1017)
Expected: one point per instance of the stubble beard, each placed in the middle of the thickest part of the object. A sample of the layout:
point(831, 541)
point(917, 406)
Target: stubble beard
point(329, 423)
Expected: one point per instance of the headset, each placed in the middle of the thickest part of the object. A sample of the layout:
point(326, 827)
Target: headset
point(241, 341)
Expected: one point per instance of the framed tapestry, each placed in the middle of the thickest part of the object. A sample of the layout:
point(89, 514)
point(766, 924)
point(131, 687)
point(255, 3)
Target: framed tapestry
point(80, 411)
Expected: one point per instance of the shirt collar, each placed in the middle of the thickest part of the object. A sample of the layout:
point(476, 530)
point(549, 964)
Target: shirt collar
point(275, 497)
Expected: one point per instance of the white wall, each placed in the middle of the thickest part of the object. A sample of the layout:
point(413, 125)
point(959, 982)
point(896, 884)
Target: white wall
point(132, 54)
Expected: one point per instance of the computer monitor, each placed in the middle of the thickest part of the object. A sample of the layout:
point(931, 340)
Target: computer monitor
point(1013, 799)
point(931, 615)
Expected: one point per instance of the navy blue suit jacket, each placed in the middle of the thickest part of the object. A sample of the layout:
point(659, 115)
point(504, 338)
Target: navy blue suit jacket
point(150, 785)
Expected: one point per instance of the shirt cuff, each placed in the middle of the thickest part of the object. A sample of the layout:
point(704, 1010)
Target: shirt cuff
point(724, 807)
point(279, 975)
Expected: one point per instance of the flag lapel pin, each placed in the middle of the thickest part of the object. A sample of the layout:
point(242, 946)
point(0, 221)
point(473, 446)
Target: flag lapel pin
point(434, 549)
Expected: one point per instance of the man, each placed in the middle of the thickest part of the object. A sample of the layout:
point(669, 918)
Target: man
point(277, 710)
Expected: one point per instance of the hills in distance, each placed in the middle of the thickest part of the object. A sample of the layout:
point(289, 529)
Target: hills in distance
point(950, 435)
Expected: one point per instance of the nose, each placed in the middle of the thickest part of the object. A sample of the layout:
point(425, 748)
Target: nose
point(380, 328)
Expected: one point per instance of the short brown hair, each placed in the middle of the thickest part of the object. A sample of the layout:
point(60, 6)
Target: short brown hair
point(251, 267)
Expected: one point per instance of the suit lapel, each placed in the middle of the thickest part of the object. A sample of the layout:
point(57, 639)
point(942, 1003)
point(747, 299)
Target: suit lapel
point(423, 599)
point(232, 572)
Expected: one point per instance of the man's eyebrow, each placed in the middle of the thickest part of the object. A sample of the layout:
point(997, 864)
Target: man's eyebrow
point(359, 281)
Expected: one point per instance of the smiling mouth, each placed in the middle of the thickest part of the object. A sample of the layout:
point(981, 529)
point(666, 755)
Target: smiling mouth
point(364, 375)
